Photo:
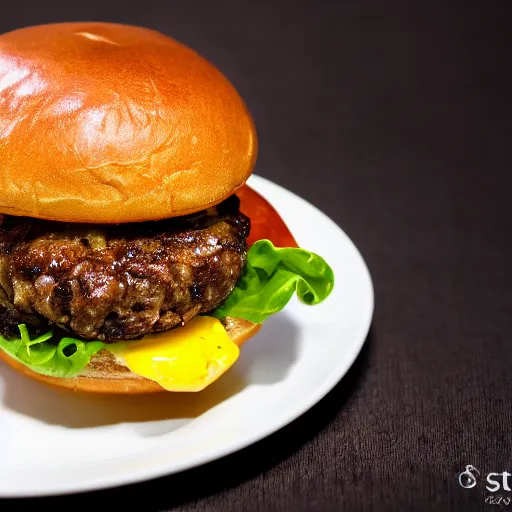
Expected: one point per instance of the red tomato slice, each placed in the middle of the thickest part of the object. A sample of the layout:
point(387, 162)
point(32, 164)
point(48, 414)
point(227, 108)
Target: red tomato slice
point(265, 221)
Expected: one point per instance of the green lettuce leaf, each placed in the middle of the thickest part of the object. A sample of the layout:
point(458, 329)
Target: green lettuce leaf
point(270, 278)
point(66, 357)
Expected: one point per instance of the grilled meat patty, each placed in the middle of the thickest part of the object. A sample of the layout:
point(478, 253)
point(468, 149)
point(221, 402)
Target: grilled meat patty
point(119, 281)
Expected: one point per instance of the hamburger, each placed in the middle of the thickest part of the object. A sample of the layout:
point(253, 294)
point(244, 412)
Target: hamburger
point(133, 256)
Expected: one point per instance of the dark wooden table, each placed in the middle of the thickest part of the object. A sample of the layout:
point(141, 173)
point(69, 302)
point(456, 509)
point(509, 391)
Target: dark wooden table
point(395, 119)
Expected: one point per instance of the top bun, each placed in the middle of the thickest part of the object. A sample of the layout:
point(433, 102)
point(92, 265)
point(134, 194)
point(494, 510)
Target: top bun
point(109, 123)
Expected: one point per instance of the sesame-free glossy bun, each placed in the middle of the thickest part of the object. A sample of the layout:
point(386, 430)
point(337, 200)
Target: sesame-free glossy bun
point(109, 123)
point(104, 375)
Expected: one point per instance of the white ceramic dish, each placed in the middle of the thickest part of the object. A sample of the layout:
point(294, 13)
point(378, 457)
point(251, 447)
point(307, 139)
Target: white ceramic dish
point(54, 442)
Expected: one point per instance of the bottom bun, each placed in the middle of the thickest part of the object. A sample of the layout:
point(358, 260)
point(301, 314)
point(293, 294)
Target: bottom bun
point(105, 375)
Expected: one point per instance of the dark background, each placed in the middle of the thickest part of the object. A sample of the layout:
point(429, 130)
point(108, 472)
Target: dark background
point(394, 117)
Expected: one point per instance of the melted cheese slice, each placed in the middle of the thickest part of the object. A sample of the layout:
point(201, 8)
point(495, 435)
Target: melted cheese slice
point(188, 358)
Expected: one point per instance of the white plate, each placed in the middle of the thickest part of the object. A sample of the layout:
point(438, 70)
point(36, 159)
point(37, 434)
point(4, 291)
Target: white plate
point(54, 441)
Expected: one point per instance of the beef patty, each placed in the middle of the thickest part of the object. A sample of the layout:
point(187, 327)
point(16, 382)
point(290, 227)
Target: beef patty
point(120, 281)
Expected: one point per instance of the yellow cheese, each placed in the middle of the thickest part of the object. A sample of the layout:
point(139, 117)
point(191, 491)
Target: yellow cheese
point(187, 358)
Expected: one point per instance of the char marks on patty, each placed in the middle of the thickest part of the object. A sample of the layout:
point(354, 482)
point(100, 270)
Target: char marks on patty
point(113, 282)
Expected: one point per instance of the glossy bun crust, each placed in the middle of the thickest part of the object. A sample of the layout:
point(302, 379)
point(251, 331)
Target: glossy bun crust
point(104, 375)
point(109, 123)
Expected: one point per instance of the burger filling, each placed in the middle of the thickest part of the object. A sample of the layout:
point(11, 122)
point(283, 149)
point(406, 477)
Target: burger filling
point(70, 292)
point(122, 281)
